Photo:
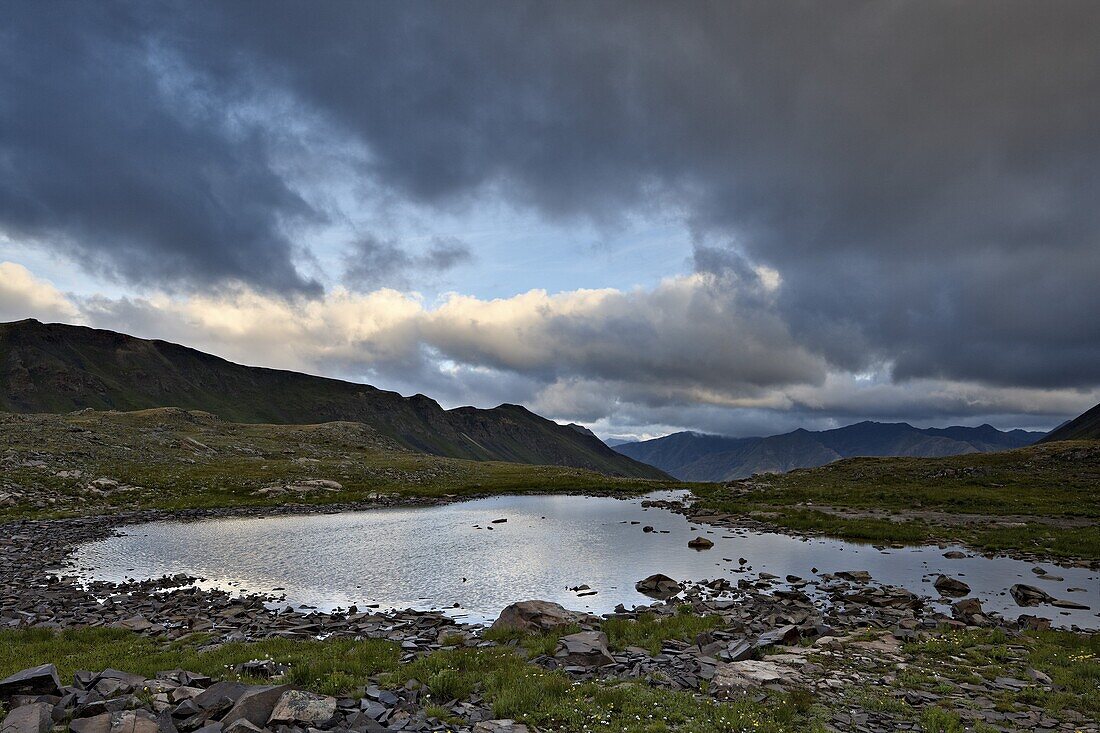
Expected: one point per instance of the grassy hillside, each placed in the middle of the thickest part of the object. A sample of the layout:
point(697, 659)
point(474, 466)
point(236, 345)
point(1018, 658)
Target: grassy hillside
point(58, 368)
point(1083, 427)
point(1043, 498)
point(171, 458)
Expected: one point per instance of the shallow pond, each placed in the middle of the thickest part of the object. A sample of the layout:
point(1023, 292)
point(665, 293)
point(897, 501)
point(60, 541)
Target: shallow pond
point(455, 557)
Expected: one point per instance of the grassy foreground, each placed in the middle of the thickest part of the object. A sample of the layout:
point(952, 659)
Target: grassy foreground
point(1040, 499)
point(174, 459)
point(515, 688)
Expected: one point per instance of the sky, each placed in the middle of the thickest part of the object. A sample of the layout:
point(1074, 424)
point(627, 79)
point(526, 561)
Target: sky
point(734, 217)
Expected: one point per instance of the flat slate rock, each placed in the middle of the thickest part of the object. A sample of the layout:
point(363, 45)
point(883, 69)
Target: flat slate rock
point(41, 680)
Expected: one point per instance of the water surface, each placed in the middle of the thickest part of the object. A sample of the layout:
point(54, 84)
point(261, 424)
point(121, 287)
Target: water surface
point(438, 557)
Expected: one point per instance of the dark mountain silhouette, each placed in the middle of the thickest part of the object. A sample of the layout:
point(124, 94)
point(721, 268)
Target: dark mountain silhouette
point(57, 368)
point(699, 457)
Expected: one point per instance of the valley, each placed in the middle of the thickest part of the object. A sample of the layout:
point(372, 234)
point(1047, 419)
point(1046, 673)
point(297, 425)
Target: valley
point(799, 648)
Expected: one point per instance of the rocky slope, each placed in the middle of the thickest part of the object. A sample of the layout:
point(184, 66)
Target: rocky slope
point(698, 457)
point(57, 368)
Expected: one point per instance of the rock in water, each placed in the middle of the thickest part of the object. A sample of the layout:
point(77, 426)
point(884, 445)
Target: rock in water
point(537, 616)
point(857, 576)
point(1029, 595)
point(949, 586)
point(586, 649)
point(700, 543)
point(658, 586)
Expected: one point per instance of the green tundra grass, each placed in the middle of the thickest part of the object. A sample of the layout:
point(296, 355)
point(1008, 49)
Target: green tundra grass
point(177, 459)
point(1043, 499)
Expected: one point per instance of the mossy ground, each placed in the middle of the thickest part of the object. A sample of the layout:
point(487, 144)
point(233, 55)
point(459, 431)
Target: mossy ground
point(516, 688)
point(1046, 495)
point(181, 460)
point(513, 687)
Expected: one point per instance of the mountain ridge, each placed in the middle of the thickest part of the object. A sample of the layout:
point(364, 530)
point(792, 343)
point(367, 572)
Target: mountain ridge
point(694, 456)
point(1085, 426)
point(59, 368)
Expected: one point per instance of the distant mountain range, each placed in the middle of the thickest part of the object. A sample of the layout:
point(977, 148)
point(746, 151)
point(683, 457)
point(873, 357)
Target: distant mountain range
point(57, 368)
point(1083, 427)
point(699, 457)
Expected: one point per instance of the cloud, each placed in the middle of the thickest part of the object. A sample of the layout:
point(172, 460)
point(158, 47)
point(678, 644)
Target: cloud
point(920, 175)
point(22, 295)
point(904, 189)
point(117, 153)
point(687, 354)
point(372, 263)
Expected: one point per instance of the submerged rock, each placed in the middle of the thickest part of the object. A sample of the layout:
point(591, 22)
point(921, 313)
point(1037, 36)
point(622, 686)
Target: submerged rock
point(1029, 595)
point(700, 543)
point(857, 576)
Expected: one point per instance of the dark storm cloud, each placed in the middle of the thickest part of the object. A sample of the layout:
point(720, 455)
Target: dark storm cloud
point(109, 155)
point(922, 175)
point(374, 263)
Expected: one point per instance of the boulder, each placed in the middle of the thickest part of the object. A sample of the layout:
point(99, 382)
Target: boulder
point(586, 649)
point(1035, 623)
point(125, 721)
point(783, 635)
point(34, 718)
point(700, 543)
point(241, 726)
point(255, 706)
point(735, 677)
point(736, 651)
point(658, 586)
point(1029, 595)
point(967, 607)
point(134, 721)
point(41, 680)
point(301, 708)
point(538, 616)
point(223, 694)
point(95, 724)
point(949, 586)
